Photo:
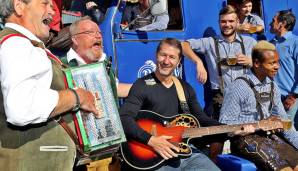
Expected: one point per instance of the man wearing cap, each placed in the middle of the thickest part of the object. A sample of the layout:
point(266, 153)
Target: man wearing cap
point(287, 47)
point(260, 101)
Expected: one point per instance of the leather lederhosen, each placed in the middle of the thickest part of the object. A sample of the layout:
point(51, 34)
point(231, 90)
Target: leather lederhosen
point(267, 151)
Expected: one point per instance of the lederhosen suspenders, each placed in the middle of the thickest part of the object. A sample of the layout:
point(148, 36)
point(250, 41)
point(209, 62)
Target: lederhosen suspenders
point(258, 96)
point(218, 59)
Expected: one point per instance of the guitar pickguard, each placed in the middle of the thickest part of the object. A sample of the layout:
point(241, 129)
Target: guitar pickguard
point(185, 121)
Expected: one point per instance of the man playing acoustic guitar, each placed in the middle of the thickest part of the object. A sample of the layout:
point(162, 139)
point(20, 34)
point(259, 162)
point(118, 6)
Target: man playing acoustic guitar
point(157, 92)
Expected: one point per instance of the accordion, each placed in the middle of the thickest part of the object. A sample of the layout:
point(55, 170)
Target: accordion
point(99, 137)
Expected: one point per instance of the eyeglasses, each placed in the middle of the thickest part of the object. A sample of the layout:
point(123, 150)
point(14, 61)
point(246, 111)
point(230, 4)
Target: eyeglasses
point(91, 33)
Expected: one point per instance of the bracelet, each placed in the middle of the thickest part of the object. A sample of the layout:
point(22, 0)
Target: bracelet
point(77, 106)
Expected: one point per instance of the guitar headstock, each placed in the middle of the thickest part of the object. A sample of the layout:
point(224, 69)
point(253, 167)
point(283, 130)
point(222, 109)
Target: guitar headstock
point(274, 123)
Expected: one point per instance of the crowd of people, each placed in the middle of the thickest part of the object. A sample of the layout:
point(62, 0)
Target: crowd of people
point(251, 81)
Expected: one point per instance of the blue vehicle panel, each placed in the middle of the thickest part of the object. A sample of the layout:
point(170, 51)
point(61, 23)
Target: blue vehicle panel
point(131, 50)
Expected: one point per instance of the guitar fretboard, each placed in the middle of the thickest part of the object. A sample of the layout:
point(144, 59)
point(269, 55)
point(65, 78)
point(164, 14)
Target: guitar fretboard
point(198, 132)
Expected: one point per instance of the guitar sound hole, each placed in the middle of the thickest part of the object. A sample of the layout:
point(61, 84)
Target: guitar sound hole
point(186, 120)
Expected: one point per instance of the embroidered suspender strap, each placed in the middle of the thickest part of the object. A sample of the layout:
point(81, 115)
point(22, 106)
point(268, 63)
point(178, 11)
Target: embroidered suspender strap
point(181, 95)
point(271, 95)
point(257, 96)
point(242, 45)
point(217, 60)
point(243, 51)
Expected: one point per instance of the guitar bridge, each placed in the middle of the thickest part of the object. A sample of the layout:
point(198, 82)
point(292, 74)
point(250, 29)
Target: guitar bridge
point(184, 148)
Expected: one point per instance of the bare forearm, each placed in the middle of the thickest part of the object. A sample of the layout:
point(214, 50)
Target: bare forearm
point(123, 89)
point(66, 101)
point(201, 71)
point(189, 53)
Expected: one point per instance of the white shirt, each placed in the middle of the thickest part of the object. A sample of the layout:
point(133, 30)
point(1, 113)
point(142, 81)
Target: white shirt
point(26, 76)
point(71, 54)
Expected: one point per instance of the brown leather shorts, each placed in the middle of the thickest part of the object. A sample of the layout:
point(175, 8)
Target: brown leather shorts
point(268, 152)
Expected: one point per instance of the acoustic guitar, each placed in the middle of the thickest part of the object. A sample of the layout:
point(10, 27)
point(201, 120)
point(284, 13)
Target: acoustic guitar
point(182, 128)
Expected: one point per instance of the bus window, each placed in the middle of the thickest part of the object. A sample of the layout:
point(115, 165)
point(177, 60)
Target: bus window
point(75, 9)
point(152, 15)
point(256, 6)
point(175, 14)
point(251, 21)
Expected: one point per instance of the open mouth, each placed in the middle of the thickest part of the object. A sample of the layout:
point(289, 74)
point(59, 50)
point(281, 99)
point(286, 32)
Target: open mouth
point(47, 21)
point(98, 44)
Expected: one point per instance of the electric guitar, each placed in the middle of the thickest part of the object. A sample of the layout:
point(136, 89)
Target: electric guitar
point(182, 128)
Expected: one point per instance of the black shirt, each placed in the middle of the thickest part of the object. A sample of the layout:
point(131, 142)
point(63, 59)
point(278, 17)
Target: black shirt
point(148, 93)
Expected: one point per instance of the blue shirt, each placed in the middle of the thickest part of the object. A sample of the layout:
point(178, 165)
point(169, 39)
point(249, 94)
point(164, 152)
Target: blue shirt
point(253, 19)
point(287, 75)
point(227, 49)
point(239, 107)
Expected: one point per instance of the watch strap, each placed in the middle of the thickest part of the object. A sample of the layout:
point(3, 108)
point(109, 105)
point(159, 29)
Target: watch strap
point(76, 107)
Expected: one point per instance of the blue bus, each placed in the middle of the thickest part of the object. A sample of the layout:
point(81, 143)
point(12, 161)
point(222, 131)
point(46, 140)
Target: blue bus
point(133, 52)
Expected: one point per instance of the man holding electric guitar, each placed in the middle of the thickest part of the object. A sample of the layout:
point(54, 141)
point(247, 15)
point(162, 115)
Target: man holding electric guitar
point(156, 134)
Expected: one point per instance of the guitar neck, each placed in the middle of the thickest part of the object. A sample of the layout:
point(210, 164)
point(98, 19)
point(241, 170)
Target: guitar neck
point(202, 131)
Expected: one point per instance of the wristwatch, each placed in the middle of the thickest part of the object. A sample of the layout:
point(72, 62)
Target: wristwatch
point(77, 106)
